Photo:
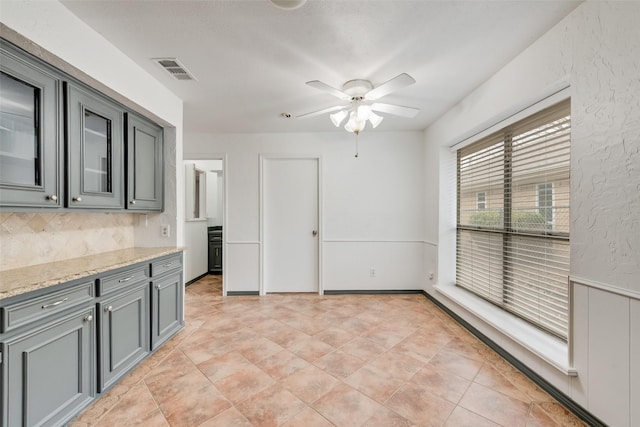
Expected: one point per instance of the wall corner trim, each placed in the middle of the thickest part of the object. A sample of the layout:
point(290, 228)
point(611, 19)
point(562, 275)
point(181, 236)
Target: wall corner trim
point(574, 280)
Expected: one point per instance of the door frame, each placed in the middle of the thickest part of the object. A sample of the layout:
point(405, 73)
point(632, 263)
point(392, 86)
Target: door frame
point(225, 205)
point(261, 172)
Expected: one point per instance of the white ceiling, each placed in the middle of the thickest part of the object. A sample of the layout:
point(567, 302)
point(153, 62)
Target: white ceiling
point(251, 59)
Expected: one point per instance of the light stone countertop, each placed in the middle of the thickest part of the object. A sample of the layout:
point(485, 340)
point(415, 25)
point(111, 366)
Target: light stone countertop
point(22, 280)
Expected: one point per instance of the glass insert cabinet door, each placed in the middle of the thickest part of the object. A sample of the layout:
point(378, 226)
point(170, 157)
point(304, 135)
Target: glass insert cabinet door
point(96, 147)
point(30, 140)
point(19, 123)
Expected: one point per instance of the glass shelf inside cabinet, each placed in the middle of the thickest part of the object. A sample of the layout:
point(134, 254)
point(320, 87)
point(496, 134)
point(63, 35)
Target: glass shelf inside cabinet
point(19, 132)
point(97, 153)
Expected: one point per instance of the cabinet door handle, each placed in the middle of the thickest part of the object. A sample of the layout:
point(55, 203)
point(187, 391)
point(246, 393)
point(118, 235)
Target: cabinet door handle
point(53, 304)
point(53, 198)
point(108, 308)
point(158, 287)
point(126, 279)
point(77, 199)
point(315, 233)
point(89, 318)
point(133, 202)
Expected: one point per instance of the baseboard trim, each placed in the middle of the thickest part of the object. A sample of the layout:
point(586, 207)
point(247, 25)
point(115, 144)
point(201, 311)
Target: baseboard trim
point(569, 403)
point(374, 292)
point(242, 293)
point(196, 279)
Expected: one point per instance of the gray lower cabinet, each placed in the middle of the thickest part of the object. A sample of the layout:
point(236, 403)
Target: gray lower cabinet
point(167, 308)
point(145, 189)
point(167, 297)
point(61, 347)
point(124, 333)
point(48, 372)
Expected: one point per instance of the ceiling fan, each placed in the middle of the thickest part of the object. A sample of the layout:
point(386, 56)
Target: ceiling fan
point(360, 108)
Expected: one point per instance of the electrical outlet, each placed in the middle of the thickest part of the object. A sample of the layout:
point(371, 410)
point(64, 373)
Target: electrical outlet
point(372, 272)
point(431, 275)
point(164, 230)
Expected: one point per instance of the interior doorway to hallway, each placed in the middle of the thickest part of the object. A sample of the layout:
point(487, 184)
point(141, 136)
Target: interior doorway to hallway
point(205, 217)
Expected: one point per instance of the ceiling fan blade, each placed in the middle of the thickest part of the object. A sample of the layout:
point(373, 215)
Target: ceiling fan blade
point(398, 82)
point(323, 111)
point(317, 84)
point(397, 110)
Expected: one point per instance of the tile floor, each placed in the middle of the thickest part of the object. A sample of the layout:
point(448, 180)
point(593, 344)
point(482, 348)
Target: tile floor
point(306, 360)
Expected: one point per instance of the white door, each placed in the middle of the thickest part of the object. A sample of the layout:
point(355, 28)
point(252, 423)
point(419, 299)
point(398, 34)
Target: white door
point(290, 201)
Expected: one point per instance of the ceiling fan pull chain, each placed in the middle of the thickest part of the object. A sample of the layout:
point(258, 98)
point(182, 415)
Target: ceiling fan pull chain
point(356, 156)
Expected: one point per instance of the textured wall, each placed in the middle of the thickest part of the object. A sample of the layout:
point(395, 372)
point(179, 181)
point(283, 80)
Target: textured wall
point(605, 153)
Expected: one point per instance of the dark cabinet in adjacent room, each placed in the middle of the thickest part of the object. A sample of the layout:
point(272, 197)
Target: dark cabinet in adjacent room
point(215, 250)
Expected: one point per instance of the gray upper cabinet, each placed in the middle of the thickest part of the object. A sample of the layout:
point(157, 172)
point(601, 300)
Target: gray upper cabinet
point(145, 189)
point(95, 150)
point(30, 132)
point(63, 144)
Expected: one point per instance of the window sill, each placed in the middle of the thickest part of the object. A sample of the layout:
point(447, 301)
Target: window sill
point(549, 348)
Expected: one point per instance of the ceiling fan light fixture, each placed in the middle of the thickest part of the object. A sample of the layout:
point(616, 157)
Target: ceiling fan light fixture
point(288, 4)
point(337, 118)
point(364, 111)
point(375, 119)
point(359, 93)
point(355, 124)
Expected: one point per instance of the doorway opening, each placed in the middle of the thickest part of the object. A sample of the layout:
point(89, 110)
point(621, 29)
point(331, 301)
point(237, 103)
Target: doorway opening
point(205, 218)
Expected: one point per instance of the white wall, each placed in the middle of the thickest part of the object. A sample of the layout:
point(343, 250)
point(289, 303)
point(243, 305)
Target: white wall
point(372, 206)
point(196, 258)
point(51, 26)
point(596, 50)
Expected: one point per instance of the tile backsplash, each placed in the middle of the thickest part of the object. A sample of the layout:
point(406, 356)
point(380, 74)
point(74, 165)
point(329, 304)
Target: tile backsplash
point(30, 238)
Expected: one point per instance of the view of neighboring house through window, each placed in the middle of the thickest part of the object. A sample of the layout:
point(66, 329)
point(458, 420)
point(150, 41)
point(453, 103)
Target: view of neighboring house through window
point(545, 201)
point(481, 200)
point(513, 218)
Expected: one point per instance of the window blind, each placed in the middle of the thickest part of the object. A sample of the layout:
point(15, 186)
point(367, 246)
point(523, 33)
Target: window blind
point(514, 252)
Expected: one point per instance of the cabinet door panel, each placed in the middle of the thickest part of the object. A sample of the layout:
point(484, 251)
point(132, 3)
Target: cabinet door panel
point(167, 308)
point(50, 372)
point(30, 123)
point(145, 165)
point(124, 333)
point(95, 150)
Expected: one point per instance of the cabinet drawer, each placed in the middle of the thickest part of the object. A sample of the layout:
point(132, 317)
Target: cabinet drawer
point(22, 313)
point(165, 265)
point(125, 278)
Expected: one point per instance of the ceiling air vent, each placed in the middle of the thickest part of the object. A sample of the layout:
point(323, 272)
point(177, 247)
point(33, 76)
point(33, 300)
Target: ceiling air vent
point(174, 68)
